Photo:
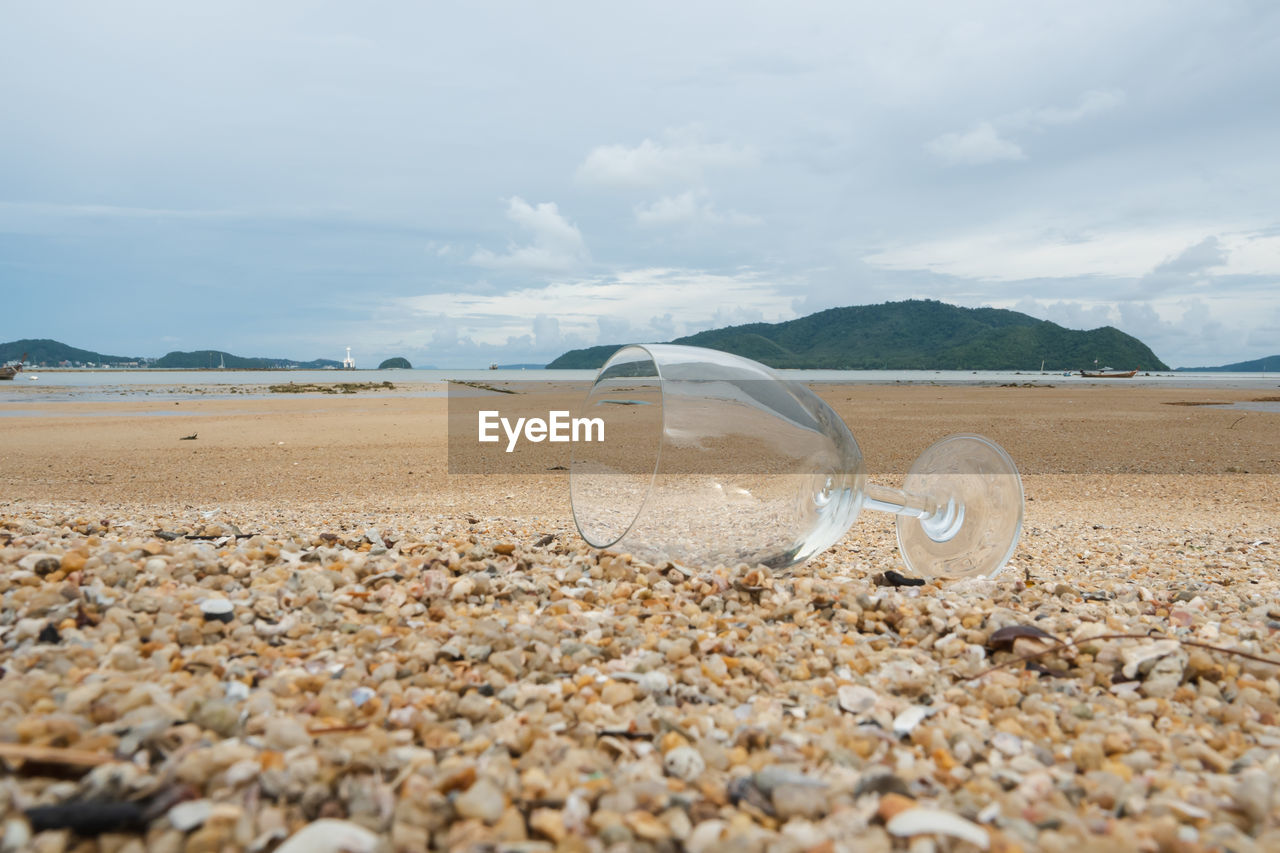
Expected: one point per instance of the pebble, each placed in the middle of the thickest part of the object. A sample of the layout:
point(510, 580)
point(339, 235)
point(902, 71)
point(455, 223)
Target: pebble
point(856, 699)
point(482, 801)
point(684, 762)
point(439, 692)
point(906, 721)
point(330, 836)
point(185, 817)
point(285, 733)
point(1254, 795)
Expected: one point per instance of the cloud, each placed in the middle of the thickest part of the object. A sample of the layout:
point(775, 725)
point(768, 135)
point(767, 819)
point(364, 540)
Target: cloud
point(689, 208)
point(681, 159)
point(546, 332)
point(1251, 254)
point(557, 244)
point(1090, 104)
point(1196, 258)
point(1004, 254)
point(590, 310)
point(988, 141)
point(981, 144)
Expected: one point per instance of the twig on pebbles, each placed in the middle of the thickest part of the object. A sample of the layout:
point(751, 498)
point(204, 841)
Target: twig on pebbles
point(1073, 643)
point(54, 755)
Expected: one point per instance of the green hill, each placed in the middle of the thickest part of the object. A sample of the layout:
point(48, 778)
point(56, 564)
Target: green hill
point(1268, 364)
point(912, 335)
point(45, 352)
point(210, 358)
point(397, 363)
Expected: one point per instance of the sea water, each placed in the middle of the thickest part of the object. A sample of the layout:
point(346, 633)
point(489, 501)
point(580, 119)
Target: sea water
point(88, 385)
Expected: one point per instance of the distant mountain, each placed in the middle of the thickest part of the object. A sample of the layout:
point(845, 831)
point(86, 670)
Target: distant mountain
point(1268, 364)
point(396, 363)
point(46, 353)
point(912, 335)
point(210, 358)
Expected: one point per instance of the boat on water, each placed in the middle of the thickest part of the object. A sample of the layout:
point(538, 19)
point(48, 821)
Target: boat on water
point(1108, 373)
point(11, 370)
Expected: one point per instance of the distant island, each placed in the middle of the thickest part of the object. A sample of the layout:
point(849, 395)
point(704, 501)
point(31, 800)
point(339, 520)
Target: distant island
point(42, 352)
point(211, 358)
point(396, 363)
point(911, 335)
point(1267, 364)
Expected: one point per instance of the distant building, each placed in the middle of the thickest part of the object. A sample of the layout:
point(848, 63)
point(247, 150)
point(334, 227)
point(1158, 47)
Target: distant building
point(348, 363)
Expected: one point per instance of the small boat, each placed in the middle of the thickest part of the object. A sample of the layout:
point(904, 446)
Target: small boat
point(1109, 373)
point(11, 370)
point(493, 365)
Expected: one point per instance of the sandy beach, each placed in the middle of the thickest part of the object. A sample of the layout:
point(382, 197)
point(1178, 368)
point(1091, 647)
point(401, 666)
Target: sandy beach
point(436, 661)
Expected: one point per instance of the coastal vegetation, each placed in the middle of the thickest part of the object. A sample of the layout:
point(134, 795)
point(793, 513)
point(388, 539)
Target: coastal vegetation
point(44, 352)
point(1269, 364)
point(209, 358)
point(912, 335)
point(329, 387)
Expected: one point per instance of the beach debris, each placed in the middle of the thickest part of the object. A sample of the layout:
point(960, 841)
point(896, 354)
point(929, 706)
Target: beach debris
point(1134, 656)
point(217, 610)
point(892, 578)
point(927, 821)
point(88, 818)
point(880, 781)
point(191, 437)
point(1007, 637)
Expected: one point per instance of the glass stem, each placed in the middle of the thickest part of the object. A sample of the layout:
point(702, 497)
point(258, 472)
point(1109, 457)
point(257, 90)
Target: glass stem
point(885, 499)
point(940, 523)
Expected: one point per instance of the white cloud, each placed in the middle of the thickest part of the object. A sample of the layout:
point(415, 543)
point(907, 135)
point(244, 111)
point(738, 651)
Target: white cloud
point(980, 144)
point(1090, 104)
point(1251, 254)
point(557, 244)
point(989, 142)
point(681, 159)
point(689, 208)
point(546, 332)
point(1006, 255)
point(590, 310)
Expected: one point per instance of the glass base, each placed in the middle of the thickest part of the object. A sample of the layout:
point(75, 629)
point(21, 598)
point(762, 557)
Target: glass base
point(978, 492)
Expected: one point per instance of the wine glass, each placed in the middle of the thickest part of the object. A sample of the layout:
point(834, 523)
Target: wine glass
point(710, 458)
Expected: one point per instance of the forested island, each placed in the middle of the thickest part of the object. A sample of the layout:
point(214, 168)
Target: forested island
point(912, 335)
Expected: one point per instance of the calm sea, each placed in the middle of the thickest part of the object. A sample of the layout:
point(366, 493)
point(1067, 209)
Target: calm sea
point(48, 386)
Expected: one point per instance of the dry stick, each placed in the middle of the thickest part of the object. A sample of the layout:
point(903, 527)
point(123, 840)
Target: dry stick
point(54, 755)
point(1071, 644)
point(1236, 421)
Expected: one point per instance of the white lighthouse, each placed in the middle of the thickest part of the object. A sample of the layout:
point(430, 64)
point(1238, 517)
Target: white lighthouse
point(348, 363)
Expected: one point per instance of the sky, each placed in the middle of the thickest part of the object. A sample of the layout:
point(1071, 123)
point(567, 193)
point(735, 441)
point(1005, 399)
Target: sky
point(461, 183)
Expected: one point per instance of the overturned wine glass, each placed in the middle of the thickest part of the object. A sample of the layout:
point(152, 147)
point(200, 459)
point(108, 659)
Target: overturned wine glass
point(710, 458)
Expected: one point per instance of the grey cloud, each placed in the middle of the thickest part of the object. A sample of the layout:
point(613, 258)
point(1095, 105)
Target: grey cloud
point(286, 156)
